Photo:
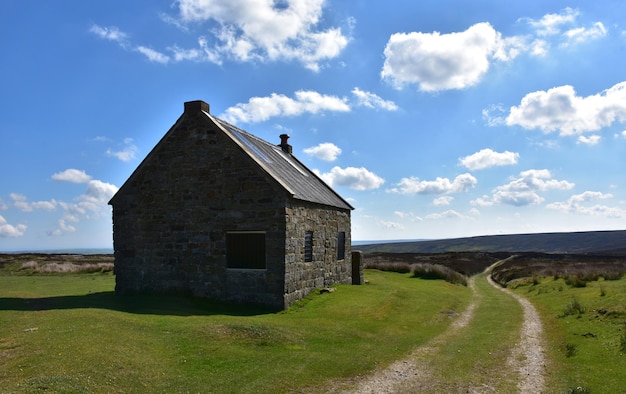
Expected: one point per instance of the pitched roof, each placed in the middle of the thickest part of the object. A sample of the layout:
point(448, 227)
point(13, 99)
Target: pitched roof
point(283, 167)
point(300, 182)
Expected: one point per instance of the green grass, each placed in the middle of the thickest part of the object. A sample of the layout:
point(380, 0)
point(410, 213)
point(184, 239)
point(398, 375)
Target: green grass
point(70, 333)
point(585, 327)
point(476, 356)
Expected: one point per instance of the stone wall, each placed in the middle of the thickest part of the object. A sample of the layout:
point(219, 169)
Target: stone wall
point(325, 269)
point(170, 224)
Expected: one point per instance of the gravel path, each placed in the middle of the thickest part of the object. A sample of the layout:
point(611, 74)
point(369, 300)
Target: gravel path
point(527, 357)
point(397, 375)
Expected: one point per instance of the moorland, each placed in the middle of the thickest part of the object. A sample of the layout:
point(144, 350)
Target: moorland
point(62, 328)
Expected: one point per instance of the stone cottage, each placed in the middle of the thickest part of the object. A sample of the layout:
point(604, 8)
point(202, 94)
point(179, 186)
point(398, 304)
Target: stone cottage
point(216, 212)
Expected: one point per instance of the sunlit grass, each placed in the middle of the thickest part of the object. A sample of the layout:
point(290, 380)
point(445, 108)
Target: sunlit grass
point(585, 327)
point(70, 333)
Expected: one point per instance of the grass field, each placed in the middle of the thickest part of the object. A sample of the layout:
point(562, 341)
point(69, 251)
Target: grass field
point(70, 333)
point(586, 330)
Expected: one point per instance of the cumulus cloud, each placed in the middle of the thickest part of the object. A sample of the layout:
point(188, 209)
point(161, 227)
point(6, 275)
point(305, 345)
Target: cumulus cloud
point(371, 100)
point(525, 189)
point(9, 230)
point(353, 178)
point(263, 30)
point(89, 205)
point(581, 204)
point(72, 175)
point(449, 214)
point(259, 109)
point(21, 202)
point(561, 109)
point(591, 140)
point(457, 60)
point(127, 153)
point(414, 185)
point(437, 61)
point(325, 151)
point(443, 200)
point(486, 158)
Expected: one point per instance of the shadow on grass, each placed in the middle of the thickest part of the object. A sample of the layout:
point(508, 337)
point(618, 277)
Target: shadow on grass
point(139, 304)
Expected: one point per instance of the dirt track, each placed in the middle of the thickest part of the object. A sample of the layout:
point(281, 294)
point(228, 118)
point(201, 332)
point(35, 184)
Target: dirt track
point(413, 376)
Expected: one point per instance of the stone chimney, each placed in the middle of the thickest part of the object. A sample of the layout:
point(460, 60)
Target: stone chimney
point(196, 106)
point(284, 145)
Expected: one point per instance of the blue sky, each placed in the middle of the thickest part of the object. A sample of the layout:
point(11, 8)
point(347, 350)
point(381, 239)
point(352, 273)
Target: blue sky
point(435, 119)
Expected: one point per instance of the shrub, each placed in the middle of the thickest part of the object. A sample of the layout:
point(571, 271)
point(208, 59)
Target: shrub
point(438, 271)
point(575, 281)
point(573, 308)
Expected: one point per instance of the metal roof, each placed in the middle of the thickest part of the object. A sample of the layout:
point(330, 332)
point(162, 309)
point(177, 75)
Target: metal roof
point(295, 177)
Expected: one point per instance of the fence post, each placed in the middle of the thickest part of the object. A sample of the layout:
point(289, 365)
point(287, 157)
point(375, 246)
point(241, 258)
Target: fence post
point(357, 268)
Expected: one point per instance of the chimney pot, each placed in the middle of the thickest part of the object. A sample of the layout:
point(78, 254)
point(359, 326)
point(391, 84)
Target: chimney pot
point(196, 106)
point(284, 145)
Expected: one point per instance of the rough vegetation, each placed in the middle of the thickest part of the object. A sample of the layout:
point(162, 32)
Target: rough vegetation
point(575, 270)
point(40, 263)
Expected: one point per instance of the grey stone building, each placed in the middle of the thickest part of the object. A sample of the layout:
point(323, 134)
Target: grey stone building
point(216, 212)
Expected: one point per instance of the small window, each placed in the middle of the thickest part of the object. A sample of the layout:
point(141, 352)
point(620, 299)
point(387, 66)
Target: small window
point(308, 246)
point(245, 250)
point(341, 245)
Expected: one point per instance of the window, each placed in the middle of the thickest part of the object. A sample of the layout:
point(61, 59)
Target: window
point(308, 246)
point(245, 250)
point(341, 245)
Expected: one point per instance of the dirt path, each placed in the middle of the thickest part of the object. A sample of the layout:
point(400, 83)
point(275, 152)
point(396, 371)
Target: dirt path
point(527, 357)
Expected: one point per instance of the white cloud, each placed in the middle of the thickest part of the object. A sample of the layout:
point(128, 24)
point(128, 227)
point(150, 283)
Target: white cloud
point(591, 140)
point(325, 151)
point(91, 204)
point(109, 33)
point(413, 185)
point(488, 158)
point(457, 60)
point(261, 30)
point(494, 115)
point(525, 189)
point(353, 178)
point(3, 205)
point(72, 175)
point(437, 61)
point(582, 34)
point(127, 153)
point(371, 100)
point(560, 109)
point(8, 230)
point(449, 214)
point(391, 225)
point(259, 109)
point(21, 202)
point(484, 201)
point(576, 204)
point(551, 24)
point(152, 55)
point(443, 200)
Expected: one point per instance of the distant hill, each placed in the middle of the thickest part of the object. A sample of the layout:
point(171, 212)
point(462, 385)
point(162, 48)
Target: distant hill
point(610, 242)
